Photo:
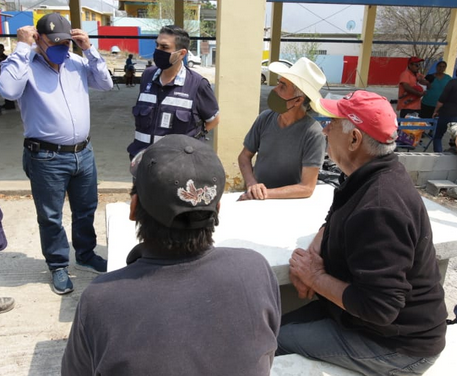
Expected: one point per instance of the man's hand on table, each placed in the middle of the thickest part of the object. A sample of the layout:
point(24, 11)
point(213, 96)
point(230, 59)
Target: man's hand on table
point(255, 192)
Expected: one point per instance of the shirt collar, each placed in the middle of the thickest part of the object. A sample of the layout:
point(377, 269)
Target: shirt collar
point(179, 79)
point(33, 53)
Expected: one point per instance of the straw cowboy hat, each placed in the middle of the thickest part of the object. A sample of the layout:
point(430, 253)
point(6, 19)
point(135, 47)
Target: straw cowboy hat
point(304, 74)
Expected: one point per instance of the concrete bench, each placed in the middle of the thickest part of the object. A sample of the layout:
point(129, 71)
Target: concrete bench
point(121, 71)
point(118, 76)
point(297, 365)
point(423, 167)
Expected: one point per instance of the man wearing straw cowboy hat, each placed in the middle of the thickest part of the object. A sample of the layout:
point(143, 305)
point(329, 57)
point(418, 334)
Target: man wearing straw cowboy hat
point(289, 143)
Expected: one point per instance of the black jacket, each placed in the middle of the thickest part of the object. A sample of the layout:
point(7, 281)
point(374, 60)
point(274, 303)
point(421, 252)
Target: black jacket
point(378, 238)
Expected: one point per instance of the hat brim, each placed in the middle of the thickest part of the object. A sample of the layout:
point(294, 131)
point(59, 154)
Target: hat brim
point(327, 107)
point(305, 86)
point(57, 37)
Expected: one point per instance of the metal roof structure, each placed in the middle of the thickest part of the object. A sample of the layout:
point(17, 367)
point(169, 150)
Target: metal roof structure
point(397, 3)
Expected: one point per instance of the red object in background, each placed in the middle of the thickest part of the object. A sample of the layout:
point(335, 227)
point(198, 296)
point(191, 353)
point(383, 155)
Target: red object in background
point(382, 71)
point(130, 45)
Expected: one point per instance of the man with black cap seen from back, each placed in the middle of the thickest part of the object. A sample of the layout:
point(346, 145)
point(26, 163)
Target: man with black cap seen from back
point(180, 306)
point(51, 85)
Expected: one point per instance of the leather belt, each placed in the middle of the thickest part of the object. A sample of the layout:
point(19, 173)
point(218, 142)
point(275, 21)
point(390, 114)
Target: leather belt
point(36, 145)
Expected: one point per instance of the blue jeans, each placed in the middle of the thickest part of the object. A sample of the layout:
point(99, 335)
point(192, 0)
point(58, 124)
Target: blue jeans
point(52, 175)
point(310, 333)
point(441, 128)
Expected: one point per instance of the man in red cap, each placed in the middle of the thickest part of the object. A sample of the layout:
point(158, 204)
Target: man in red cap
point(372, 263)
point(410, 90)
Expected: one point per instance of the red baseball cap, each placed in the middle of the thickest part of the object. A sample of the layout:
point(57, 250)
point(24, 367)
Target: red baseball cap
point(415, 59)
point(369, 112)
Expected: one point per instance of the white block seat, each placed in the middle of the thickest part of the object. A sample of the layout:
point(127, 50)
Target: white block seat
point(297, 365)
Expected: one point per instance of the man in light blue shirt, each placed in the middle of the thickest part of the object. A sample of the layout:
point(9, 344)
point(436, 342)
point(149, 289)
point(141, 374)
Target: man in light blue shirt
point(51, 86)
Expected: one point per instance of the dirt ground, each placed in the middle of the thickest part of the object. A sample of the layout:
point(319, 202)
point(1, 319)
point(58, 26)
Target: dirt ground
point(33, 335)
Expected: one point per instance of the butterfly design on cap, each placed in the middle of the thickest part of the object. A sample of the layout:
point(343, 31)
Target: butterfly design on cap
point(196, 195)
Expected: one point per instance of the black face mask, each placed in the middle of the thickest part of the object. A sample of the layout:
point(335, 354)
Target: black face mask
point(278, 104)
point(162, 59)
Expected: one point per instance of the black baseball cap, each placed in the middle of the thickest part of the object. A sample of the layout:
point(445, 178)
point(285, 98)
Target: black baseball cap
point(179, 174)
point(55, 27)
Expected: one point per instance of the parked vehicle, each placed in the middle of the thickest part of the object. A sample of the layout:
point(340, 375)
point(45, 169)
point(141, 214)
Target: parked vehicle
point(265, 73)
point(193, 59)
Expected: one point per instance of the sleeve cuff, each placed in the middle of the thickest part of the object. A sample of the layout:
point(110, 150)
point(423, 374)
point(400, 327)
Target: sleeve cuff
point(91, 53)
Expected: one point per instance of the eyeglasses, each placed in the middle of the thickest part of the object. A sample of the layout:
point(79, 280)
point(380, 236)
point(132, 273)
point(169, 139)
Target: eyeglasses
point(416, 64)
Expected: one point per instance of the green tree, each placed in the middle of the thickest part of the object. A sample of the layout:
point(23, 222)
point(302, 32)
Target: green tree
point(296, 50)
point(207, 28)
point(165, 10)
point(417, 24)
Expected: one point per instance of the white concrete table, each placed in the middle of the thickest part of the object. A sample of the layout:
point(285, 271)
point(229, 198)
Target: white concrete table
point(273, 228)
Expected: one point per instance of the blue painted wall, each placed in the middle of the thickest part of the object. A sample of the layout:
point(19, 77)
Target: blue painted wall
point(332, 66)
point(18, 20)
point(146, 46)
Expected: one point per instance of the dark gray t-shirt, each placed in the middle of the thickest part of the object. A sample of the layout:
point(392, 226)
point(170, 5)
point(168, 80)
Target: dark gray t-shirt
point(217, 314)
point(283, 152)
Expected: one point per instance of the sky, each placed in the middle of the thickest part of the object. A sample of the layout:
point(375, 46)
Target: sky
point(317, 18)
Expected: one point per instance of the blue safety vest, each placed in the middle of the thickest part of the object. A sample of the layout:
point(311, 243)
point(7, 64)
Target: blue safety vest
point(162, 110)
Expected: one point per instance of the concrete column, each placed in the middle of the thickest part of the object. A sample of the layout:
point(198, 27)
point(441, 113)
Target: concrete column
point(450, 51)
point(239, 35)
point(179, 13)
point(363, 65)
point(275, 44)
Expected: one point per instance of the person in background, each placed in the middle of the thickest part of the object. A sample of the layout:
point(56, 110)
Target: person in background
point(8, 105)
point(173, 98)
point(6, 303)
point(446, 111)
point(380, 307)
point(288, 142)
point(435, 86)
point(129, 71)
point(410, 90)
point(181, 306)
point(51, 86)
